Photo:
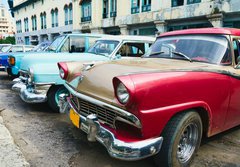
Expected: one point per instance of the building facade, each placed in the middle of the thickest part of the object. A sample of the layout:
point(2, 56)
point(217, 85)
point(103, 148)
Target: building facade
point(146, 17)
point(7, 27)
point(44, 19)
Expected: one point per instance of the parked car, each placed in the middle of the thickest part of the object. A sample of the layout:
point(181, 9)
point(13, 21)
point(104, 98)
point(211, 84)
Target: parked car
point(14, 59)
point(3, 46)
point(186, 86)
point(39, 80)
point(12, 49)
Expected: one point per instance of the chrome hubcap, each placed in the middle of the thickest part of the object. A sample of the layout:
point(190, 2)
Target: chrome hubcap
point(187, 143)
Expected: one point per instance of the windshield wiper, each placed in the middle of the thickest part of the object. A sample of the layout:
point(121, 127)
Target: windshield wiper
point(99, 54)
point(182, 55)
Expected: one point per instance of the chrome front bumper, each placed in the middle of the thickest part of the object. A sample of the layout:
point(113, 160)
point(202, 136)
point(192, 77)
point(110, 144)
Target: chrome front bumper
point(116, 148)
point(27, 94)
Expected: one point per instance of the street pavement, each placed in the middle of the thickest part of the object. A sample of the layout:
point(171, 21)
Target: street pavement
point(10, 154)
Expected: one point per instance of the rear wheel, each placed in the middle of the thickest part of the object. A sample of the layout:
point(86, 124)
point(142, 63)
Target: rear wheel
point(53, 96)
point(181, 140)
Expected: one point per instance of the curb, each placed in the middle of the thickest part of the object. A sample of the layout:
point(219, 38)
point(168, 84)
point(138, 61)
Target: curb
point(10, 154)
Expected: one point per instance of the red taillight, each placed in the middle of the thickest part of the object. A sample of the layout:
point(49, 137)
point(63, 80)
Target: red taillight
point(63, 70)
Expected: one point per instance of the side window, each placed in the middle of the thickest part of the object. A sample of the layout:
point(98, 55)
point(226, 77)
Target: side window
point(236, 50)
point(77, 44)
point(28, 48)
point(133, 49)
point(16, 49)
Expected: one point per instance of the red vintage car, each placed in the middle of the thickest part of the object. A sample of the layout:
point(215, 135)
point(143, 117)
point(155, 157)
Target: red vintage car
point(186, 87)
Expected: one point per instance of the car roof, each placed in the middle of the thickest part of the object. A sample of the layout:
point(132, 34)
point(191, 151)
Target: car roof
point(88, 35)
point(129, 38)
point(223, 31)
point(24, 45)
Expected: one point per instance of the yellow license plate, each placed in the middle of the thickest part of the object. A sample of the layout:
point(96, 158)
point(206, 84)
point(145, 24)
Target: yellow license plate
point(75, 118)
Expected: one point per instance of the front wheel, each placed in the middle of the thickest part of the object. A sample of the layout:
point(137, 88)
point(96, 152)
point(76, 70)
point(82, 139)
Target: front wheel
point(53, 96)
point(181, 140)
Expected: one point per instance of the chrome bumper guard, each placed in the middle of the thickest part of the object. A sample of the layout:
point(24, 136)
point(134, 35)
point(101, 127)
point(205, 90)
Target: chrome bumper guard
point(26, 95)
point(116, 148)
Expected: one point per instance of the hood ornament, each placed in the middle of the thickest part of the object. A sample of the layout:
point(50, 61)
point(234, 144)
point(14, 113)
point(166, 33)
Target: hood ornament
point(88, 66)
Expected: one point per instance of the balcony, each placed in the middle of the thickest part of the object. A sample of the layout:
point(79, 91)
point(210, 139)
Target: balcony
point(85, 19)
point(113, 14)
point(146, 8)
point(135, 10)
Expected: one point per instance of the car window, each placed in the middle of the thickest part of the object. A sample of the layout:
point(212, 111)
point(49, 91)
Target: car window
point(236, 49)
point(133, 49)
point(28, 48)
point(16, 49)
point(55, 44)
point(103, 47)
point(6, 48)
point(77, 44)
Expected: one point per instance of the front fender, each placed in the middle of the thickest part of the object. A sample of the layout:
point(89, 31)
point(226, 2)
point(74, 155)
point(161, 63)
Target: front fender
point(161, 95)
point(159, 117)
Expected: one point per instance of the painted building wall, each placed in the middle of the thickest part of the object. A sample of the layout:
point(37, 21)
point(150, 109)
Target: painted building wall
point(36, 8)
point(160, 16)
point(7, 27)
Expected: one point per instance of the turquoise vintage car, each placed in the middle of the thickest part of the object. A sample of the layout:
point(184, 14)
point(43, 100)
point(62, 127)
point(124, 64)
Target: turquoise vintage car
point(70, 43)
point(39, 79)
point(14, 59)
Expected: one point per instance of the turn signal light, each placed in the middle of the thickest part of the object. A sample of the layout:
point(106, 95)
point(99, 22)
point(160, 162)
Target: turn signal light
point(11, 60)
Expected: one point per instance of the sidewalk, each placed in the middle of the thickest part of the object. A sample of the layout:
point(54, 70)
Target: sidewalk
point(10, 154)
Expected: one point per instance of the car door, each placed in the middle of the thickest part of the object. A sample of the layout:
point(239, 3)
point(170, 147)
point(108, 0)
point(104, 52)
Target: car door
point(233, 115)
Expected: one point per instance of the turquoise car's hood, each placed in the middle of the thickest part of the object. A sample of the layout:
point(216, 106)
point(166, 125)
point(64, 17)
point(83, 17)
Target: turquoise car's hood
point(44, 65)
point(33, 59)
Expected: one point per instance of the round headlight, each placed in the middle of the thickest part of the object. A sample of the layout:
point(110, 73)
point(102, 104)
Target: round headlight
point(122, 93)
point(30, 72)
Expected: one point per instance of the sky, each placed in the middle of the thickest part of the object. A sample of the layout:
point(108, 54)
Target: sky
point(4, 2)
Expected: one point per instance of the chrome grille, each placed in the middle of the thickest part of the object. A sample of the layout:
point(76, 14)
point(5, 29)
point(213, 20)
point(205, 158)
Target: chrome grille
point(105, 115)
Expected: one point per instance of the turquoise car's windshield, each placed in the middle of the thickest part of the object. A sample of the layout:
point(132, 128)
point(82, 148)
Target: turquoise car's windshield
point(103, 47)
point(203, 48)
point(54, 46)
point(6, 48)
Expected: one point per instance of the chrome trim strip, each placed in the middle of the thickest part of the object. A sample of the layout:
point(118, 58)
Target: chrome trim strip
point(124, 113)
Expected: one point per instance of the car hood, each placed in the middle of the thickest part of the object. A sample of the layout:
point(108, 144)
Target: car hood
point(97, 82)
point(51, 59)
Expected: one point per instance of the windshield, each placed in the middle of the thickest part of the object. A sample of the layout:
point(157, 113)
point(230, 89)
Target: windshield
point(103, 47)
point(40, 47)
point(204, 48)
point(6, 48)
point(56, 43)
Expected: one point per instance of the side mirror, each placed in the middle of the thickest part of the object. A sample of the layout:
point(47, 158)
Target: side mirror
point(117, 56)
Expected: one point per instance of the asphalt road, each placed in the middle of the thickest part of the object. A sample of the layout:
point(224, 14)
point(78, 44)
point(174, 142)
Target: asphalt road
point(49, 139)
